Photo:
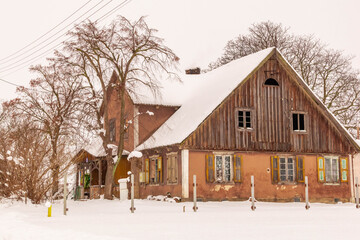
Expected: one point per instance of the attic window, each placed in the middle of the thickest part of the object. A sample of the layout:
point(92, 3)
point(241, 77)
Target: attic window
point(299, 122)
point(244, 119)
point(271, 82)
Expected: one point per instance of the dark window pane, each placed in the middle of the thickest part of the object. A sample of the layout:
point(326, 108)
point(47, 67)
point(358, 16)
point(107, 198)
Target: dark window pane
point(248, 119)
point(241, 119)
point(302, 122)
point(271, 82)
point(295, 121)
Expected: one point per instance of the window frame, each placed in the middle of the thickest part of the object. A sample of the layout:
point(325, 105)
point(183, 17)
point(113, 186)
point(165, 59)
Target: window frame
point(294, 170)
point(298, 167)
point(331, 157)
point(158, 170)
point(252, 117)
point(306, 126)
point(222, 180)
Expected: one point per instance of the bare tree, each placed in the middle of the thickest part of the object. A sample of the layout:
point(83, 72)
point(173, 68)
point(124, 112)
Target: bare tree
point(52, 104)
point(328, 72)
point(131, 51)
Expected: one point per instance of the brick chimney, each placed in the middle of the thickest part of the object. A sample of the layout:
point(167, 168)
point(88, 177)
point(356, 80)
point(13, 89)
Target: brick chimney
point(193, 71)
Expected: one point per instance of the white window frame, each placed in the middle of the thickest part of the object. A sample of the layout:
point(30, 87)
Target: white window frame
point(287, 169)
point(223, 175)
point(337, 170)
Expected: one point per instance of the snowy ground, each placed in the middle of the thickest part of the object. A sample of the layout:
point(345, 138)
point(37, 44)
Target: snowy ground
point(103, 219)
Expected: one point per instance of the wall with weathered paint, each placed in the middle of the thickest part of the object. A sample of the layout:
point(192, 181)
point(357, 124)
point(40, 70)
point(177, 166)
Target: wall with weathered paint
point(143, 190)
point(258, 164)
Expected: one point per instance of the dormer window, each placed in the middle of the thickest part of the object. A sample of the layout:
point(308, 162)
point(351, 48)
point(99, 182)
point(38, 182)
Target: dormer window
point(271, 82)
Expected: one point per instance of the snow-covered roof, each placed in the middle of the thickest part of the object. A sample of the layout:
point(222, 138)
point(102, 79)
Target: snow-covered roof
point(96, 148)
point(203, 95)
point(172, 92)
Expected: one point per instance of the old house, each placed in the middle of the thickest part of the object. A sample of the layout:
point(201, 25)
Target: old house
point(253, 116)
point(144, 113)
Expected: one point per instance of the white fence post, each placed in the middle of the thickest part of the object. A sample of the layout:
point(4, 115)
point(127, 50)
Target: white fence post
point(252, 194)
point(195, 208)
point(307, 205)
point(132, 208)
point(357, 192)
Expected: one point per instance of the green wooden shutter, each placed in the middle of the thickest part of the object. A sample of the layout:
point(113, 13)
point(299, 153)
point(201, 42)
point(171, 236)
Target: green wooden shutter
point(344, 170)
point(321, 169)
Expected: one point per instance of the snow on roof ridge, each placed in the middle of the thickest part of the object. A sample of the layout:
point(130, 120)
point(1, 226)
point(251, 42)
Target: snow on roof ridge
point(207, 95)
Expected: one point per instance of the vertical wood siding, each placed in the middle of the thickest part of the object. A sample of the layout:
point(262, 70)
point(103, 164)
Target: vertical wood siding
point(271, 118)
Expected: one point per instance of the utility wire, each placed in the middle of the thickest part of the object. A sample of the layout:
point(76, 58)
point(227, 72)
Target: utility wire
point(121, 5)
point(20, 66)
point(10, 83)
point(5, 68)
point(1, 60)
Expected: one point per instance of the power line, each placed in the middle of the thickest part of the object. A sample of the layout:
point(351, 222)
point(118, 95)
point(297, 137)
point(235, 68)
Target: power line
point(10, 83)
point(7, 66)
point(32, 60)
point(46, 32)
point(113, 10)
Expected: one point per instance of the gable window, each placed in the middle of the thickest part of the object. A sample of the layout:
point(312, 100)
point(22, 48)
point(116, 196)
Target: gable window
point(153, 170)
point(298, 122)
point(244, 119)
point(172, 168)
point(287, 169)
point(271, 82)
point(223, 168)
point(331, 170)
point(112, 129)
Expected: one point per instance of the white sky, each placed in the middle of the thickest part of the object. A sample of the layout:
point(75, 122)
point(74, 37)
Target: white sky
point(197, 30)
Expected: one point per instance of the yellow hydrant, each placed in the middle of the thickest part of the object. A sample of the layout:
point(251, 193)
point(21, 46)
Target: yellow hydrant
point(48, 205)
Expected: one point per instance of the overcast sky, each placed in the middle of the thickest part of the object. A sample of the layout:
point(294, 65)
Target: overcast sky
point(197, 30)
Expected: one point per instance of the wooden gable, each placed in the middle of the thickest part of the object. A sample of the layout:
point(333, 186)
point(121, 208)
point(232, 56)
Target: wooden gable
point(271, 109)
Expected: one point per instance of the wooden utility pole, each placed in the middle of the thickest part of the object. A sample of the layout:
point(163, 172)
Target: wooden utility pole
point(253, 193)
point(132, 208)
point(307, 205)
point(357, 192)
point(194, 193)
